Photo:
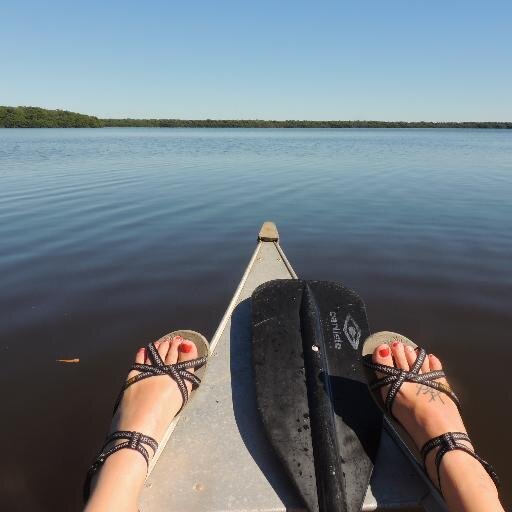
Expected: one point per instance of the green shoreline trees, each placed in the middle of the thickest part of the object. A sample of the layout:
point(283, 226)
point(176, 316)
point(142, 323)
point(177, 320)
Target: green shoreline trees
point(257, 123)
point(35, 117)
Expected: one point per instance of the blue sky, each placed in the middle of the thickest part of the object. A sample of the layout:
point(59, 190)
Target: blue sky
point(383, 60)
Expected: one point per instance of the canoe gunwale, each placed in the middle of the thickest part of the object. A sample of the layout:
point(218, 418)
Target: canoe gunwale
point(236, 296)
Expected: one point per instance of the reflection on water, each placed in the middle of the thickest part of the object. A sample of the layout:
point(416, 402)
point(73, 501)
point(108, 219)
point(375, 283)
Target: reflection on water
point(110, 238)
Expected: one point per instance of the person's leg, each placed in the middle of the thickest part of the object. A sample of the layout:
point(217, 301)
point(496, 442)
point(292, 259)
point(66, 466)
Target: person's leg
point(426, 413)
point(147, 407)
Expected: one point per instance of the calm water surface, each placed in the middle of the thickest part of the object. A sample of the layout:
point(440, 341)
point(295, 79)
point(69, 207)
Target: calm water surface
point(111, 237)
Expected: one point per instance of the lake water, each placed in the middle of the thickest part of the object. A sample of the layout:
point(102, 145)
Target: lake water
point(111, 237)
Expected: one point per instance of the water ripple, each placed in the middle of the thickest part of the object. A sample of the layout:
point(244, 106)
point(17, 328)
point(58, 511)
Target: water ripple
point(110, 237)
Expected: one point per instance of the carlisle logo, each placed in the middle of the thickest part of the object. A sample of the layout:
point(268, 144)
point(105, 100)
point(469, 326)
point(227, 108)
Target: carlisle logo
point(352, 331)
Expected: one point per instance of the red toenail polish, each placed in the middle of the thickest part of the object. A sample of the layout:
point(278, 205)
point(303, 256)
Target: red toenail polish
point(185, 347)
point(395, 343)
point(384, 352)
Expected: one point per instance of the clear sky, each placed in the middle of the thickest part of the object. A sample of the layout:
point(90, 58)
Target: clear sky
point(266, 59)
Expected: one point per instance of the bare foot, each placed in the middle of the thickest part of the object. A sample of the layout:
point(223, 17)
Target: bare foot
point(423, 411)
point(426, 413)
point(147, 406)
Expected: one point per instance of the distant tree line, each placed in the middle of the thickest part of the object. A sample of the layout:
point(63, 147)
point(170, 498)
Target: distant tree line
point(35, 117)
point(257, 123)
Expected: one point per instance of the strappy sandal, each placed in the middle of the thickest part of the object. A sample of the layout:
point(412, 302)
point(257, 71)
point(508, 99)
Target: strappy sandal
point(178, 372)
point(395, 377)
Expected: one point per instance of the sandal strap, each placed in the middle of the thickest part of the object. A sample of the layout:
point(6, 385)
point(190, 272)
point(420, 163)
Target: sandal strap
point(176, 371)
point(396, 377)
point(133, 441)
point(451, 441)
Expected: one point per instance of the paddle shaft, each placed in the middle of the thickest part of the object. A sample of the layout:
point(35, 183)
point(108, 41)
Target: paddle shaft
point(327, 467)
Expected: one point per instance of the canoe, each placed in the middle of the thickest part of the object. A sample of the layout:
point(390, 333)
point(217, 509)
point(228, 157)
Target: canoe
point(218, 458)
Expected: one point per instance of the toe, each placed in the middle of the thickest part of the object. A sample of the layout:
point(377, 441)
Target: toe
point(382, 355)
point(187, 351)
point(398, 351)
point(410, 355)
point(434, 363)
point(172, 354)
point(163, 349)
point(140, 356)
point(425, 367)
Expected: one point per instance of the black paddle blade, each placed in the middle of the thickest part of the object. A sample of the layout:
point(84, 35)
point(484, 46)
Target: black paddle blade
point(311, 390)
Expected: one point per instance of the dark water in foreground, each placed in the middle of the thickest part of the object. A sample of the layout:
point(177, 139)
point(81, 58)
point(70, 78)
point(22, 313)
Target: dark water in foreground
point(110, 238)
